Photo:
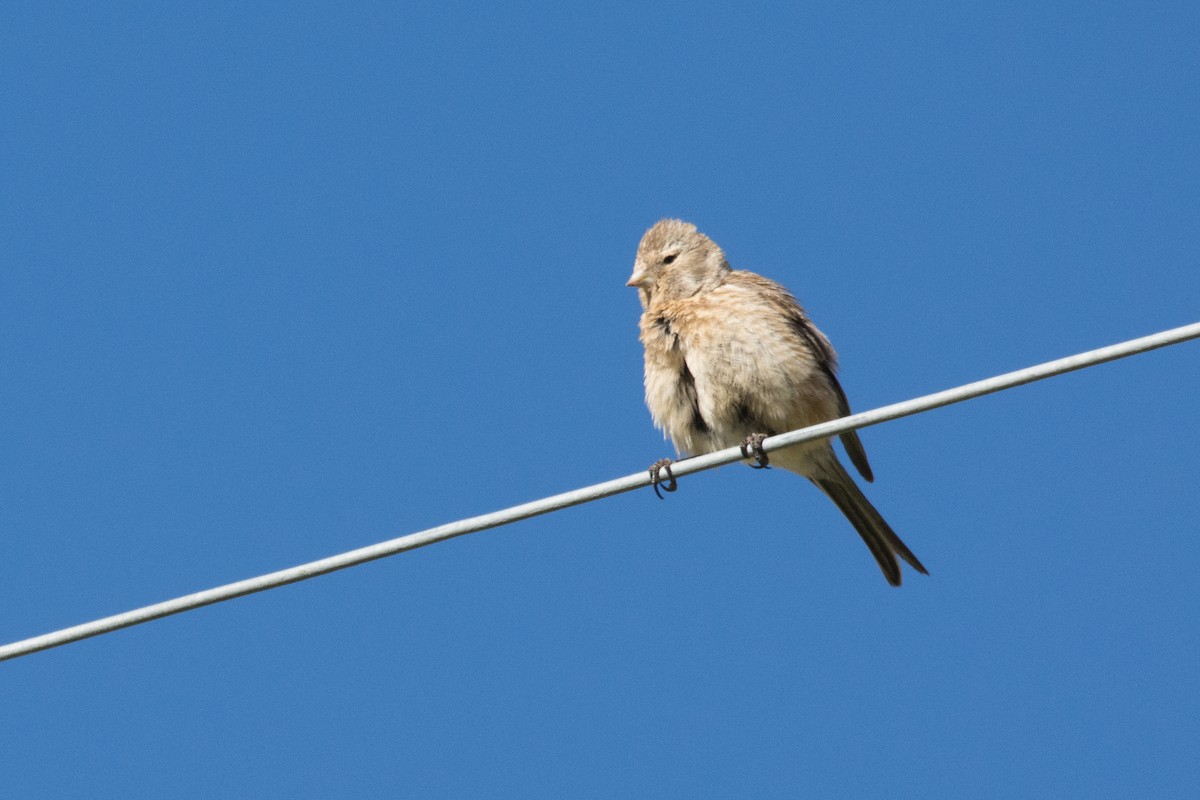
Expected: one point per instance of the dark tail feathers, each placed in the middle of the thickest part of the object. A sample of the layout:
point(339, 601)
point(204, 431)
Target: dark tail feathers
point(882, 541)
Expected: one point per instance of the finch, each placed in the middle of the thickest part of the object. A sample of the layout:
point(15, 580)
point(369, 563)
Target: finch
point(731, 357)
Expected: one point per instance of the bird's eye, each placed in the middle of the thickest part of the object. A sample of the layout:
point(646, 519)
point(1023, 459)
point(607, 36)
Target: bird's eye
point(670, 259)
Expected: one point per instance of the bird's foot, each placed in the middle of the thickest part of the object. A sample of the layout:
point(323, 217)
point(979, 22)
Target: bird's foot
point(752, 447)
point(663, 464)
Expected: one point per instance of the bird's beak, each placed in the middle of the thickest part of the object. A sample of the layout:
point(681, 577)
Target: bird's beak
point(639, 278)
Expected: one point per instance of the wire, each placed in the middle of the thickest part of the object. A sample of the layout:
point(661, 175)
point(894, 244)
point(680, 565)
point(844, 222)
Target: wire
point(589, 493)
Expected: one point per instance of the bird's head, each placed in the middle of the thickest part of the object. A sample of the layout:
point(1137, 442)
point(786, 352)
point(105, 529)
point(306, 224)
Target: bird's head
point(675, 261)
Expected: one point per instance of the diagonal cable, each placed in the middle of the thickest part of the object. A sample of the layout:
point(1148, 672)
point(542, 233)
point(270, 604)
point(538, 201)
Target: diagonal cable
point(587, 494)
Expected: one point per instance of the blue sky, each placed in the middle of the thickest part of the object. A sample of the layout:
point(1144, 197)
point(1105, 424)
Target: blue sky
point(281, 281)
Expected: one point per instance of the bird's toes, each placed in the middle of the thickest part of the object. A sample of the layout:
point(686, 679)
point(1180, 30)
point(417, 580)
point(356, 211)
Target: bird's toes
point(752, 448)
point(663, 464)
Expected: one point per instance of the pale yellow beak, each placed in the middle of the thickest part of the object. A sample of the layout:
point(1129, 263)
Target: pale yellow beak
point(639, 278)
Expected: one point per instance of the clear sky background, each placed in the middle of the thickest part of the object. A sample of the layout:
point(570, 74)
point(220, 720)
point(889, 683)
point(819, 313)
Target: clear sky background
point(282, 280)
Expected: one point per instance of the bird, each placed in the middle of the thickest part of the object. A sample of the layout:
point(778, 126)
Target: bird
point(731, 358)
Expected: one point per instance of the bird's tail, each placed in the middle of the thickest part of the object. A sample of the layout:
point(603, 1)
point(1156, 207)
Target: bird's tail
point(884, 544)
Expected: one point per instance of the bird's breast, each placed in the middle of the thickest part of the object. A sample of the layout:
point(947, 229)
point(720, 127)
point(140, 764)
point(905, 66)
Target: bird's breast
point(671, 391)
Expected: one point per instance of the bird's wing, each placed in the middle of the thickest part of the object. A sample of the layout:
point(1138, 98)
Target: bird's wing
point(826, 358)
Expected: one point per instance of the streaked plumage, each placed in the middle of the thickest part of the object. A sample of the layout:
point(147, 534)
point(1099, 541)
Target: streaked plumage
point(730, 353)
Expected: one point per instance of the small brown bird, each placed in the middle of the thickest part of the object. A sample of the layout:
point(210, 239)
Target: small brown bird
point(732, 358)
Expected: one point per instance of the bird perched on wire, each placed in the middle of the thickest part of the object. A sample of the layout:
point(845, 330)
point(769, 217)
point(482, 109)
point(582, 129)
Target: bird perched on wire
point(732, 358)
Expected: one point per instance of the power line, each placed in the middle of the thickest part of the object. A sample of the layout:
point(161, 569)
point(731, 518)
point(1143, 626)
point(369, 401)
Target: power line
point(595, 492)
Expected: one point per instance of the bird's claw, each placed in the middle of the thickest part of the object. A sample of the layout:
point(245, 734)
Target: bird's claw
point(752, 447)
point(663, 464)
